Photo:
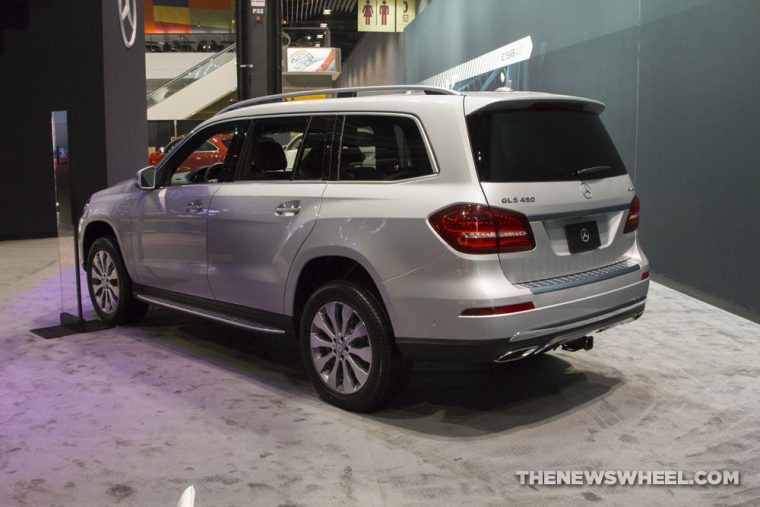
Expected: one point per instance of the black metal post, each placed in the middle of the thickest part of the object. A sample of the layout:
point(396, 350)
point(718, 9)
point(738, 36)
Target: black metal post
point(274, 47)
point(259, 48)
point(244, 40)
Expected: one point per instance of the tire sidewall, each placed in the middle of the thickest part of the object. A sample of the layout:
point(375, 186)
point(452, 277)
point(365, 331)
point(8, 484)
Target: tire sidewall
point(369, 310)
point(109, 245)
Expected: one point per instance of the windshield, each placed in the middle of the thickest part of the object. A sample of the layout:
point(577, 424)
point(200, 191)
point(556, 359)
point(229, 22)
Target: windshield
point(541, 145)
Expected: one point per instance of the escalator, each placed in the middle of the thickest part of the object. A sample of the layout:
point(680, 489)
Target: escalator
point(197, 89)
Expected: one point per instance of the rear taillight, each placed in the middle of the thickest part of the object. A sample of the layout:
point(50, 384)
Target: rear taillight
point(632, 222)
point(481, 229)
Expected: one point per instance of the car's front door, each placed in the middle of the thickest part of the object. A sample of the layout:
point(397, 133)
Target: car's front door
point(170, 221)
point(257, 224)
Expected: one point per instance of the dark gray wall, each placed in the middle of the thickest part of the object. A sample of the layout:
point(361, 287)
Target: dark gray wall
point(699, 147)
point(67, 56)
point(680, 80)
point(377, 61)
point(123, 86)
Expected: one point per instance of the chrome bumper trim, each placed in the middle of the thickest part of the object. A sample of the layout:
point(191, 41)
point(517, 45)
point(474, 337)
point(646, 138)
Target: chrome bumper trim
point(579, 213)
point(583, 325)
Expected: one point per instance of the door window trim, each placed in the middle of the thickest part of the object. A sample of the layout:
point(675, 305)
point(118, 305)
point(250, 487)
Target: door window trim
point(164, 164)
point(423, 134)
point(247, 152)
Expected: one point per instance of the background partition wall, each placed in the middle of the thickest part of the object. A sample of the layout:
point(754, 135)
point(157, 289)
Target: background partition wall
point(680, 79)
point(68, 56)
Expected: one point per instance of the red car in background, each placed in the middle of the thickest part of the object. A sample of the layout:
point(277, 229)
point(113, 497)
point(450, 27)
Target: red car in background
point(209, 153)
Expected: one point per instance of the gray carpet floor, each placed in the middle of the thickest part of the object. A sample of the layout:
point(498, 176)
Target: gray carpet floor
point(133, 415)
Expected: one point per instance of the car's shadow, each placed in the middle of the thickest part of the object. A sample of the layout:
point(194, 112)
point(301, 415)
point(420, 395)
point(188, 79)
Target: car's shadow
point(440, 399)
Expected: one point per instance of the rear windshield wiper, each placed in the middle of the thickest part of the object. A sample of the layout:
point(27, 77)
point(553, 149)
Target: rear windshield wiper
point(592, 170)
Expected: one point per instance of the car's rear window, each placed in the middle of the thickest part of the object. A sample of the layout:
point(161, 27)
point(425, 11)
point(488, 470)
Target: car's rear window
point(541, 145)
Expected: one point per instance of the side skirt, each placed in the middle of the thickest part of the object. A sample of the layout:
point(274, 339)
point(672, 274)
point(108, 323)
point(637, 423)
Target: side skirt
point(226, 313)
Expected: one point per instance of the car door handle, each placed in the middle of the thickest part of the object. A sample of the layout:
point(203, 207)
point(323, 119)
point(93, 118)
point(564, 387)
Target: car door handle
point(288, 209)
point(194, 206)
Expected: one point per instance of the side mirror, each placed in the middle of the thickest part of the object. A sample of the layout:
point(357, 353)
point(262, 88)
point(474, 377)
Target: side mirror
point(146, 178)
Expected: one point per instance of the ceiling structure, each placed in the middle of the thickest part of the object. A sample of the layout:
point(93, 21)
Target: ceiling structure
point(310, 13)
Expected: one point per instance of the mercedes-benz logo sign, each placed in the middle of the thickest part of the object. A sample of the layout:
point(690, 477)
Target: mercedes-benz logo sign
point(586, 191)
point(585, 235)
point(128, 21)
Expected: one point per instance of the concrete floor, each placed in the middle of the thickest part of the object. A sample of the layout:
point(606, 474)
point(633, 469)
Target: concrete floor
point(131, 416)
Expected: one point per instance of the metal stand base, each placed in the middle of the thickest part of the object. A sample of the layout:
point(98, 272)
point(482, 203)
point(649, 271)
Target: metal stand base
point(70, 324)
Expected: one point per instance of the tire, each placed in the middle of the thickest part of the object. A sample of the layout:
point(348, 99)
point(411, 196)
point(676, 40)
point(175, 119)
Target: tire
point(352, 367)
point(110, 286)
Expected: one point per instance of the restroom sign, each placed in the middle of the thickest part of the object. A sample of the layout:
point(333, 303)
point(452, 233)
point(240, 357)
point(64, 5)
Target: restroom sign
point(404, 14)
point(384, 15)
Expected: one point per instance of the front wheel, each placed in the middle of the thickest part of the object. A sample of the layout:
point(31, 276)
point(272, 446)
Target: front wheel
point(347, 347)
point(110, 286)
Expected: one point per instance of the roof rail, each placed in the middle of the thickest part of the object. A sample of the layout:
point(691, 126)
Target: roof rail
point(342, 92)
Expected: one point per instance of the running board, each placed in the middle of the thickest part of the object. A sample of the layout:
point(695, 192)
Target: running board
point(209, 314)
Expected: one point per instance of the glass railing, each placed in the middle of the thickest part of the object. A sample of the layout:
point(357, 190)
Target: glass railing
point(191, 75)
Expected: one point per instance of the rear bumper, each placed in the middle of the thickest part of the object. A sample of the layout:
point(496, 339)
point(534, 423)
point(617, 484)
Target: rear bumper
point(427, 309)
point(523, 343)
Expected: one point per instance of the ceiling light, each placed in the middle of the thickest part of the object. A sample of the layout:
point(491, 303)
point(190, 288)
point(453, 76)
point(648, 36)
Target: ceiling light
point(320, 36)
point(327, 12)
point(323, 25)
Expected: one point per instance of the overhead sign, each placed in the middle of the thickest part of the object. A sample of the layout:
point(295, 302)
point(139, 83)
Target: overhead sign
point(384, 15)
point(499, 58)
point(405, 11)
point(311, 60)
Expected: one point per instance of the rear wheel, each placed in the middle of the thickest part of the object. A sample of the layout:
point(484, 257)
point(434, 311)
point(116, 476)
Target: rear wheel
point(347, 348)
point(110, 286)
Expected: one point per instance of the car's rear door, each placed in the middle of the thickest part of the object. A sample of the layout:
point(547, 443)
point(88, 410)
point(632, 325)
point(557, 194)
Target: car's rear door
point(257, 224)
point(555, 163)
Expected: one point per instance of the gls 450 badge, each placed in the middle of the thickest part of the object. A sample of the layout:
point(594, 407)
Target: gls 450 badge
point(514, 200)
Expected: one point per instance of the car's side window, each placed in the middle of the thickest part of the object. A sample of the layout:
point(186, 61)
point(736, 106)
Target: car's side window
point(274, 148)
point(315, 149)
point(381, 148)
point(210, 156)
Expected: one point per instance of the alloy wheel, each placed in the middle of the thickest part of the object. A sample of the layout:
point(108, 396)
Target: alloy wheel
point(105, 282)
point(341, 351)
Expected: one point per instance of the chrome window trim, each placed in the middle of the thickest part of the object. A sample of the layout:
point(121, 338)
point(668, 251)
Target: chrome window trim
point(415, 118)
point(202, 126)
point(420, 127)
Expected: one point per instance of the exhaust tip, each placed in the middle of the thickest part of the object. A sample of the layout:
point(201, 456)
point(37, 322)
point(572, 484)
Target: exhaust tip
point(514, 355)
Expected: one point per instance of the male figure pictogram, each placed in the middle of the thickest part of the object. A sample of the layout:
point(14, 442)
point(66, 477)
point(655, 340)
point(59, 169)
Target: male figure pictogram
point(384, 10)
point(367, 12)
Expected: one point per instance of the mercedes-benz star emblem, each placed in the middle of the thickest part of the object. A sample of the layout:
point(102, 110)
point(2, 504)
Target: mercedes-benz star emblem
point(586, 190)
point(585, 235)
point(128, 21)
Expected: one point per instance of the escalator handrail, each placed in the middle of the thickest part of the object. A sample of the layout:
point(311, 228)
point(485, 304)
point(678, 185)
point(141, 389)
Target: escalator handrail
point(189, 71)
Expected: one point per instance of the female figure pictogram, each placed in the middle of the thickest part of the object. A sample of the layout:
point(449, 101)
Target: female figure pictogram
point(368, 12)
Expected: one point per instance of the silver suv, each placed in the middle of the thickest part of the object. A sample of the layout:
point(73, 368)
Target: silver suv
point(411, 223)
